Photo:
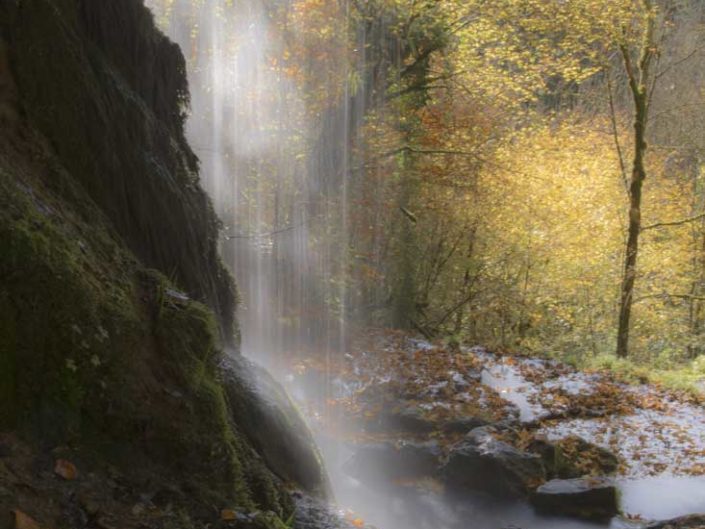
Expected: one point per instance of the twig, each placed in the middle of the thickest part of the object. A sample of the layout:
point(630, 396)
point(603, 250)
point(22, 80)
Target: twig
point(615, 133)
point(674, 223)
point(667, 295)
point(679, 62)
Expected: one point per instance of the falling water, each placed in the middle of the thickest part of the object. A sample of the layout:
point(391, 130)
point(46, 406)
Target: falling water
point(250, 127)
point(278, 173)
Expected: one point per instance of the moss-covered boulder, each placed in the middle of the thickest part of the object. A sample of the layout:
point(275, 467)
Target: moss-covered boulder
point(268, 418)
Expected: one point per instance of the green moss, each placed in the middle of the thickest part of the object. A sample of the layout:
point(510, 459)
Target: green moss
point(687, 377)
point(186, 333)
point(44, 296)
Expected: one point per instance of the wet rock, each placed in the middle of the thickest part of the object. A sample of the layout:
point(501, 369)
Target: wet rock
point(482, 462)
point(463, 424)
point(315, 514)
point(229, 518)
point(408, 420)
point(589, 498)
point(574, 457)
point(389, 461)
point(266, 415)
point(693, 521)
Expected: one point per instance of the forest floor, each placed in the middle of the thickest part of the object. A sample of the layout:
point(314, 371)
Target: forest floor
point(395, 390)
point(65, 487)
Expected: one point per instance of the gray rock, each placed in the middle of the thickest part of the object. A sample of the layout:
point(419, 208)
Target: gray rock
point(561, 457)
point(463, 424)
point(266, 415)
point(589, 498)
point(388, 461)
point(315, 514)
point(693, 521)
point(407, 420)
point(483, 463)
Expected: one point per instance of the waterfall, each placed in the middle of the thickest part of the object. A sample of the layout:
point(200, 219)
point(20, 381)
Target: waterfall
point(277, 157)
point(255, 133)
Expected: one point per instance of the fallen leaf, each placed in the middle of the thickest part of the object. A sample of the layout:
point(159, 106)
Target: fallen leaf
point(65, 469)
point(24, 521)
point(228, 515)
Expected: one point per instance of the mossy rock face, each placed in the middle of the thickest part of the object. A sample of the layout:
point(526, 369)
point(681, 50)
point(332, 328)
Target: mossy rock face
point(63, 325)
point(109, 92)
point(99, 204)
point(98, 350)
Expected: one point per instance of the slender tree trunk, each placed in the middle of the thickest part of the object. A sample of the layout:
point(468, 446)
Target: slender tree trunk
point(404, 309)
point(466, 281)
point(630, 261)
point(641, 87)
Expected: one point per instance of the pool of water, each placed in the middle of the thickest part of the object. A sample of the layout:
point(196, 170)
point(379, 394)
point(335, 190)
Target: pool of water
point(663, 497)
point(507, 381)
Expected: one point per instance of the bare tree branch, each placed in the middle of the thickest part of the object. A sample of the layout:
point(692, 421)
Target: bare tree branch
point(689, 297)
point(674, 223)
point(679, 62)
point(615, 134)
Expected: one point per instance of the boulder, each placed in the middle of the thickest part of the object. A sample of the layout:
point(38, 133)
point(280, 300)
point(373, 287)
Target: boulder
point(482, 462)
point(589, 498)
point(312, 513)
point(409, 419)
point(693, 521)
point(390, 461)
point(574, 457)
point(463, 424)
point(263, 411)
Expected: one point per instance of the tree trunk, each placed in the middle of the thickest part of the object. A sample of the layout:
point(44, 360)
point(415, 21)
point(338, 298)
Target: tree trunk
point(639, 86)
point(630, 262)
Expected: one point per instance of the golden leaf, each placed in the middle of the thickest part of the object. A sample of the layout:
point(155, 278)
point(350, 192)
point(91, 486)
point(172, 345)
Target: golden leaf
point(228, 515)
point(24, 521)
point(65, 469)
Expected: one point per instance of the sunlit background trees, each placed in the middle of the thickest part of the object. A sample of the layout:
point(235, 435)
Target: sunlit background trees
point(463, 168)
